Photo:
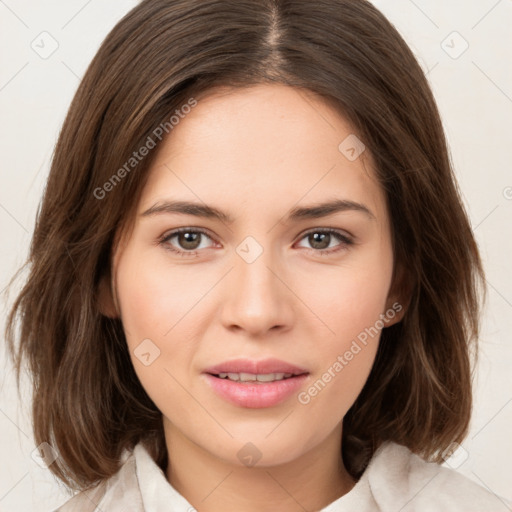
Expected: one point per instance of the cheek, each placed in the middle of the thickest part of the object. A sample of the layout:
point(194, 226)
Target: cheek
point(350, 305)
point(155, 301)
point(162, 316)
point(345, 358)
point(350, 301)
point(157, 311)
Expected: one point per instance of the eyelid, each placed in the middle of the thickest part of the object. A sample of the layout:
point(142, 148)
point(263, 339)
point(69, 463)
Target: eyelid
point(192, 229)
point(346, 239)
point(336, 231)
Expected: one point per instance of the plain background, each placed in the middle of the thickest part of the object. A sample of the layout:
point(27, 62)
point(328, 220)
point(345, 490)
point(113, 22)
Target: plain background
point(465, 50)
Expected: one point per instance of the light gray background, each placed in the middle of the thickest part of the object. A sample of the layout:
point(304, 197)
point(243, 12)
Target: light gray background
point(474, 92)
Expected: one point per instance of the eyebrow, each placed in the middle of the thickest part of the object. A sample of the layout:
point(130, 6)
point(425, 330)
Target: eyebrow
point(315, 211)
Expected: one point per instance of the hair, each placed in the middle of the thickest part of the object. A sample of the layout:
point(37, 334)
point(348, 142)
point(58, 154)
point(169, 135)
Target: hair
point(87, 400)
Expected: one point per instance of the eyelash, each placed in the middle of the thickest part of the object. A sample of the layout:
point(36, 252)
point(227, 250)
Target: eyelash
point(345, 241)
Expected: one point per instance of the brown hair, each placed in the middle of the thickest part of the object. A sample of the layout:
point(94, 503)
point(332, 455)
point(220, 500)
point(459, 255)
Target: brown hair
point(88, 402)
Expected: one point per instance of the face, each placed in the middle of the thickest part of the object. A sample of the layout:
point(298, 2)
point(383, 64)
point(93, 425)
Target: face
point(271, 285)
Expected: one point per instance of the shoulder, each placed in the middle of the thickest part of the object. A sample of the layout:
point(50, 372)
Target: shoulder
point(401, 480)
point(119, 493)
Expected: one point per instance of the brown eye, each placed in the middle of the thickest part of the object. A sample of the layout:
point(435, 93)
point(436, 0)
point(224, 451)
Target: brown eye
point(320, 241)
point(187, 240)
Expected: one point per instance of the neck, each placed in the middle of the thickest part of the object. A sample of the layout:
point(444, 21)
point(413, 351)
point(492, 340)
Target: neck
point(210, 484)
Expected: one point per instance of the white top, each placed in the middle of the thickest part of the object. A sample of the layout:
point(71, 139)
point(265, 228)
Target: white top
point(395, 480)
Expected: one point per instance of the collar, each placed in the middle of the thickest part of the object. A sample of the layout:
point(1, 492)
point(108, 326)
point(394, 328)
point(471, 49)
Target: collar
point(158, 495)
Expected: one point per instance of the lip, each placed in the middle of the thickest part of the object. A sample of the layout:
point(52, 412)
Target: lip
point(258, 367)
point(251, 394)
point(255, 396)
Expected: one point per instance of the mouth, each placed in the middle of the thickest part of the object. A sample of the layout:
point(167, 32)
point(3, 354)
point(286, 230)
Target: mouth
point(254, 378)
point(255, 384)
point(246, 368)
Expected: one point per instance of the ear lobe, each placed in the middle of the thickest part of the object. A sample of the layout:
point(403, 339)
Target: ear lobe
point(106, 301)
point(394, 313)
point(399, 297)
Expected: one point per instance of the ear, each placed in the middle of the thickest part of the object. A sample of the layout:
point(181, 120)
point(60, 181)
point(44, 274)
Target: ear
point(106, 301)
point(399, 297)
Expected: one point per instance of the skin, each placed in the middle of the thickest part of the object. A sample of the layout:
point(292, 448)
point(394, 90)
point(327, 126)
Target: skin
point(255, 153)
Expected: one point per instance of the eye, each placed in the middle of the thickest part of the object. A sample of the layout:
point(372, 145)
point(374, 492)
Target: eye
point(189, 239)
point(320, 241)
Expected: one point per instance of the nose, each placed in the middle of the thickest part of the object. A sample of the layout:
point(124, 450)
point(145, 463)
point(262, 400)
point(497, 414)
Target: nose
point(258, 298)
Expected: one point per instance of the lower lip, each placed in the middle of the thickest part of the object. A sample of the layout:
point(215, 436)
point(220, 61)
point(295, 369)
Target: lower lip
point(255, 395)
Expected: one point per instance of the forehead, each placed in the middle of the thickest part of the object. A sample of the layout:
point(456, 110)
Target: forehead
point(265, 146)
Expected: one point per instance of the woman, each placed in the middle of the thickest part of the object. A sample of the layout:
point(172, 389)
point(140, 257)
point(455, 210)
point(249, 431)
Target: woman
point(253, 283)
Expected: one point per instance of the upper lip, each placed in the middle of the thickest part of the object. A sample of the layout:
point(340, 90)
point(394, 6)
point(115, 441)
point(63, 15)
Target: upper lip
point(263, 366)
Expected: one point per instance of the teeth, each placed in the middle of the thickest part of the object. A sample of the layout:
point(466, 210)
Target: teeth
point(269, 377)
point(251, 377)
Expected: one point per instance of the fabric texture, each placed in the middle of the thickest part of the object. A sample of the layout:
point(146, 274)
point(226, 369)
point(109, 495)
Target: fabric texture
point(396, 480)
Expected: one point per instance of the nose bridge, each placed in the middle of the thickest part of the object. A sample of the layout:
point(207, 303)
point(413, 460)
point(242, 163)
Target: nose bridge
point(257, 299)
